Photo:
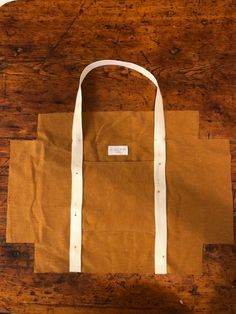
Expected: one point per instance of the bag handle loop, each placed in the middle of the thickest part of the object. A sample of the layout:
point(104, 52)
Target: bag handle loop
point(160, 253)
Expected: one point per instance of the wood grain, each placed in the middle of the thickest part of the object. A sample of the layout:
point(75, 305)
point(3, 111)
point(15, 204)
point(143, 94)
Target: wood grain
point(190, 47)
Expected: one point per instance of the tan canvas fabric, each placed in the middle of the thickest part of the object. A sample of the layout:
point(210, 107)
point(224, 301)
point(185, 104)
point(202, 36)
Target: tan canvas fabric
point(118, 208)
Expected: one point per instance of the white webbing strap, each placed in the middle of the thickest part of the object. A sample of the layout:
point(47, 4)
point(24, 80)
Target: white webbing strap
point(159, 173)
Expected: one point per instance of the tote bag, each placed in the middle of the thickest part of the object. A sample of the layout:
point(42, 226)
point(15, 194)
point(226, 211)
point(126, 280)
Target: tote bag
point(91, 190)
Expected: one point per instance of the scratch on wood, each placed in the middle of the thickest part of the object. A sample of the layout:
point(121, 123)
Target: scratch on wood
point(63, 35)
point(145, 57)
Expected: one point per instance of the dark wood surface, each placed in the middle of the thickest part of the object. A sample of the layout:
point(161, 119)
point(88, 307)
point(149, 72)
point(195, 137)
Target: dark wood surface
point(190, 47)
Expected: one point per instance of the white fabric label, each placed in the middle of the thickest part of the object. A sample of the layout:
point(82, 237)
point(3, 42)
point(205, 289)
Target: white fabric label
point(117, 150)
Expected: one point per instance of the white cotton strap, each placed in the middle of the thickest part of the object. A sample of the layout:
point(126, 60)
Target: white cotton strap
point(159, 173)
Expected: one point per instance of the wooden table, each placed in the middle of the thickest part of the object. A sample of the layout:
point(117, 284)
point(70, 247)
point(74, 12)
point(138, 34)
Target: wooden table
point(190, 47)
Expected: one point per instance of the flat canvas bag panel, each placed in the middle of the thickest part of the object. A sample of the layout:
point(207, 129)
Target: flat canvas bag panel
point(118, 223)
point(192, 186)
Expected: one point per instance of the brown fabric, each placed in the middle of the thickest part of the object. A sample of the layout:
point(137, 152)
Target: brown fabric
point(22, 213)
point(118, 208)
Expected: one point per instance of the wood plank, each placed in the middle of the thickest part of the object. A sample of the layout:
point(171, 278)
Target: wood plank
point(39, 309)
point(123, 291)
point(21, 126)
point(118, 89)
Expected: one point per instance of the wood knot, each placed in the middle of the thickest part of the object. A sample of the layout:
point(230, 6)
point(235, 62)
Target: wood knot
point(17, 51)
point(204, 22)
point(211, 248)
point(3, 66)
point(60, 280)
point(170, 13)
point(15, 253)
point(175, 50)
point(194, 290)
